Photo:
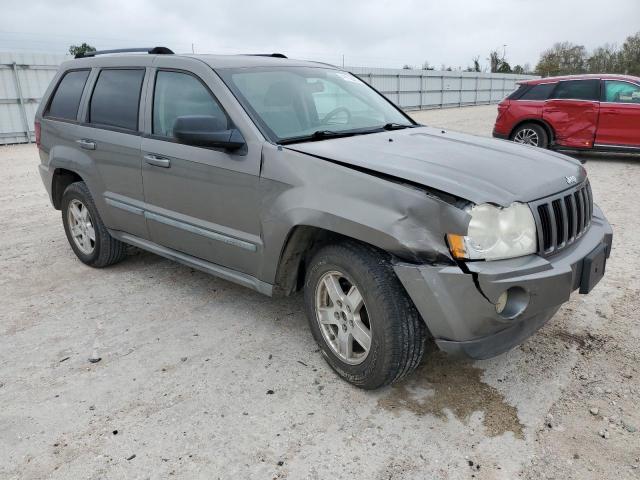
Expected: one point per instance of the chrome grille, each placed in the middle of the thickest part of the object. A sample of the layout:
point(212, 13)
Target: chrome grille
point(562, 218)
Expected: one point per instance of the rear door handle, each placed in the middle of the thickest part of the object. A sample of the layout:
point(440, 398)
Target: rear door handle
point(157, 161)
point(86, 144)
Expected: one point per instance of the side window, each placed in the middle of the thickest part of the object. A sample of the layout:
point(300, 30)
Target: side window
point(621, 92)
point(578, 90)
point(516, 94)
point(177, 94)
point(116, 97)
point(66, 99)
point(539, 92)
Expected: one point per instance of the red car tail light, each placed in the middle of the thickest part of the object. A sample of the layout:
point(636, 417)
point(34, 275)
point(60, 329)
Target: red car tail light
point(503, 106)
point(36, 126)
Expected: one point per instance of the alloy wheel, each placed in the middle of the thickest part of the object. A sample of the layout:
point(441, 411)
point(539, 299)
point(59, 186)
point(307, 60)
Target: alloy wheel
point(342, 317)
point(81, 227)
point(527, 136)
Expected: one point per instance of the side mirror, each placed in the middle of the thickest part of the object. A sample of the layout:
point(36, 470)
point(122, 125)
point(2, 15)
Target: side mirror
point(207, 131)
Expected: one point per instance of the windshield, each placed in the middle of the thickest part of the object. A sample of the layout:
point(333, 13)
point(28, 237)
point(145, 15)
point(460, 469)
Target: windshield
point(299, 103)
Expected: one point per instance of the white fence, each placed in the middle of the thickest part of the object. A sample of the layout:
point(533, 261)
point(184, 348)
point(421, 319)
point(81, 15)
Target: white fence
point(423, 89)
point(24, 77)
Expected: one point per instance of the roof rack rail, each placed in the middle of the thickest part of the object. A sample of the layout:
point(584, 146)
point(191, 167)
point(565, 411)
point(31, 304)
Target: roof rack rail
point(151, 50)
point(274, 55)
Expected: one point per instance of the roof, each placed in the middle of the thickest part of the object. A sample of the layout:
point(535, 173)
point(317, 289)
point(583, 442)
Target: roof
point(215, 61)
point(596, 76)
point(241, 61)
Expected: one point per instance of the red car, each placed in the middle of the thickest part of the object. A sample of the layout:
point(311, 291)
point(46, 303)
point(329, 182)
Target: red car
point(600, 112)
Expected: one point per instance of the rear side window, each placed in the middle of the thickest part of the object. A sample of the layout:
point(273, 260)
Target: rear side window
point(539, 92)
point(116, 98)
point(578, 90)
point(177, 94)
point(66, 99)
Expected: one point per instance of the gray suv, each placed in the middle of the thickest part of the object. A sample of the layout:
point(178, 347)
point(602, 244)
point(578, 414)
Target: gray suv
point(284, 175)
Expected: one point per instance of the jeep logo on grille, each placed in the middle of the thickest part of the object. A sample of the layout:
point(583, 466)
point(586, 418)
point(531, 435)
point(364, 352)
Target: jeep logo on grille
point(571, 179)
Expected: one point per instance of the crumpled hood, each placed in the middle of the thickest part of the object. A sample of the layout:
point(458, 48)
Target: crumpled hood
point(474, 168)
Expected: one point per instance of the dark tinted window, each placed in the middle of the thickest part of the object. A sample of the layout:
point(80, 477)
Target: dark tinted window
point(66, 99)
point(518, 93)
point(539, 92)
point(578, 90)
point(116, 97)
point(177, 94)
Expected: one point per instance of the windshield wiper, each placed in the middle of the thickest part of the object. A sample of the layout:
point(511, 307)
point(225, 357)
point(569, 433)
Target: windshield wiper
point(324, 134)
point(396, 126)
point(319, 135)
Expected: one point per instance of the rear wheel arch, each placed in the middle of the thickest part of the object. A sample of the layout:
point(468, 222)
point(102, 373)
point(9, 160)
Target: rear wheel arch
point(536, 121)
point(61, 179)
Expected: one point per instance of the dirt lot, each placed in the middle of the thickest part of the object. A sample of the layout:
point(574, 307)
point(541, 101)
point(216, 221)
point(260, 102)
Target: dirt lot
point(200, 378)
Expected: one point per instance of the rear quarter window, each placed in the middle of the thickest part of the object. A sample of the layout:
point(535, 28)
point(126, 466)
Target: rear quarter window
point(116, 98)
point(66, 98)
point(519, 92)
point(538, 92)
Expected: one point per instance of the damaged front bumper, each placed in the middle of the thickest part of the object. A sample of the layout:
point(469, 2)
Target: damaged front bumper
point(459, 307)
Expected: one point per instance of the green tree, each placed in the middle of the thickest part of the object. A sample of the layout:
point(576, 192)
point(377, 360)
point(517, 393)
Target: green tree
point(476, 65)
point(497, 63)
point(81, 49)
point(519, 69)
point(504, 67)
point(563, 58)
point(427, 66)
point(605, 59)
point(630, 55)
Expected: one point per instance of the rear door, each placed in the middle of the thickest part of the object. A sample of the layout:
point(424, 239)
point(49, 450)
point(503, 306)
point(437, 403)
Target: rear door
point(619, 124)
point(572, 111)
point(111, 135)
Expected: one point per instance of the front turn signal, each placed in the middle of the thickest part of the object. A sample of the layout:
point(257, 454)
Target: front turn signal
point(456, 246)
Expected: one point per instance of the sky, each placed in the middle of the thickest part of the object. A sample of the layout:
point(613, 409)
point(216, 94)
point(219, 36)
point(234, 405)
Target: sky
point(364, 32)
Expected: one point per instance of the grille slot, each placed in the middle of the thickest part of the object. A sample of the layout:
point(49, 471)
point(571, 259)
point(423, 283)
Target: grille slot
point(561, 219)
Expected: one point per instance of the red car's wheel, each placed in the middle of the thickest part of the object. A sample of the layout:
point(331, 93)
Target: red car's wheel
point(531, 134)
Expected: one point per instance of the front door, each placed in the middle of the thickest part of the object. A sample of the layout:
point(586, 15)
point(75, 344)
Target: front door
point(619, 123)
point(572, 111)
point(199, 201)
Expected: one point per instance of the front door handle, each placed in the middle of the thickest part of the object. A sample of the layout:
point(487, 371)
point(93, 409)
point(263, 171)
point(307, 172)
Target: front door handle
point(86, 144)
point(157, 161)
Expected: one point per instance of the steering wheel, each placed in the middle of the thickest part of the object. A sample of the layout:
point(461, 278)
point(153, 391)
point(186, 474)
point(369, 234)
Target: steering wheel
point(335, 112)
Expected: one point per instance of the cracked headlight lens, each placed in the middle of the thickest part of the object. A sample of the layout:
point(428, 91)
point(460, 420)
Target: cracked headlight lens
point(496, 233)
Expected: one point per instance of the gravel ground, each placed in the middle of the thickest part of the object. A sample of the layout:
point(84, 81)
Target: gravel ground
point(200, 378)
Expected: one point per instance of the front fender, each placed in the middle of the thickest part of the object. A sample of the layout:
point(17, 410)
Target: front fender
point(399, 218)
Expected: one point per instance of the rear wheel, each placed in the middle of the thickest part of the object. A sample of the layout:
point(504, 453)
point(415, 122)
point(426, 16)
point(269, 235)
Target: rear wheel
point(87, 234)
point(531, 134)
point(368, 329)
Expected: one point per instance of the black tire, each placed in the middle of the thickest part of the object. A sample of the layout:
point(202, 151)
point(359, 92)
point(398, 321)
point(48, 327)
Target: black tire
point(106, 249)
point(542, 138)
point(397, 330)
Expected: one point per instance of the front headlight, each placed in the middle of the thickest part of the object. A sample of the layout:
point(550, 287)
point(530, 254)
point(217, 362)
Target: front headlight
point(495, 233)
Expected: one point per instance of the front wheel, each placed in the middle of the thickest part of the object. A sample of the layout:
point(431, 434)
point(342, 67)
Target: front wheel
point(367, 327)
point(531, 134)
